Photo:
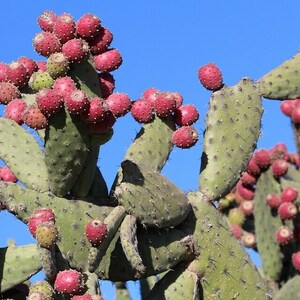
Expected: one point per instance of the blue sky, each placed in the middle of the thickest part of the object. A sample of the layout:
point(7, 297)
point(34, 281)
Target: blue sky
point(163, 43)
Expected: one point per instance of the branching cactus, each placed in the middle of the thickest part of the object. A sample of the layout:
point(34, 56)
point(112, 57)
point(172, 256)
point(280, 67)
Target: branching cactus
point(59, 114)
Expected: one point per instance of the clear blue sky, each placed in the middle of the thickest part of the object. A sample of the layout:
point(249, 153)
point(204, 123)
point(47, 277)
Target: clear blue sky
point(163, 43)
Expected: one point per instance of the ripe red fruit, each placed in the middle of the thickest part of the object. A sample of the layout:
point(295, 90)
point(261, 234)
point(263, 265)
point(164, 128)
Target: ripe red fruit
point(142, 111)
point(210, 77)
point(14, 110)
point(246, 191)
point(178, 99)
point(262, 158)
point(150, 95)
point(96, 111)
point(76, 50)
point(287, 210)
point(65, 28)
point(185, 137)
point(64, 85)
point(107, 84)
point(119, 104)
point(164, 104)
point(248, 239)
point(83, 297)
point(46, 43)
point(248, 179)
point(289, 194)
point(236, 230)
point(3, 71)
point(42, 66)
point(104, 125)
point(283, 235)
point(253, 168)
point(95, 231)
point(49, 102)
point(280, 167)
point(17, 74)
point(273, 200)
point(68, 282)
point(296, 260)
point(29, 64)
point(40, 216)
point(76, 102)
point(101, 42)
point(247, 207)
point(186, 115)
point(287, 107)
point(34, 118)
point(108, 61)
point(8, 92)
point(88, 26)
point(7, 175)
point(296, 114)
point(47, 20)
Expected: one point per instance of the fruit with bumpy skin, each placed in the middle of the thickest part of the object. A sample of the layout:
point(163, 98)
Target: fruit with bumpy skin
point(296, 115)
point(236, 216)
point(46, 43)
point(46, 234)
point(150, 95)
point(8, 92)
point(287, 210)
point(57, 65)
point(14, 110)
point(262, 158)
point(236, 230)
point(247, 207)
point(246, 191)
point(185, 137)
point(186, 115)
point(119, 104)
point(3, 71)
point(164, 104)
point(273, 200)
point(76, 50)
point(29, 64)
point(248, 179)
point(46, 20)
point(83, 297)
point(49, 102)
point(280, 167)
point(96, 112)
point(296, 260)
point(34, 118)
point(38, 217)
point(107, 84)
point(65, 28)
point(7, 175)
point(142, 111)
point(101, 42)
point(287, 107)
point(253, 168)
point(40, 80)
point(248, 239)
point(210, 77)
point(76, 102)
point(17, 74)
point(283, 235)
point(289, 194)
point(43, 287)
point(95, 232)
point(68, 282)
point(108, 61)
point(64, 85)
point(42, 66)
point(88, 26)
point(178, 99)
point(102, 126)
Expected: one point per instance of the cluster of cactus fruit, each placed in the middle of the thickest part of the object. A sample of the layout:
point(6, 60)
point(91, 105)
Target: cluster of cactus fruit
point(178, 245)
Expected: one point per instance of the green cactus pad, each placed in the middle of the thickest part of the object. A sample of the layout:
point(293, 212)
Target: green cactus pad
point(18, 263)
point(266, 225)
point(232, 129)
point(20, 151)
point(177, 284)
point(146, 285)
point(48, 261)
point(282, 82)
point(129, 244)
point(224, 268)
point(290, 290)
point(151, 197)
point(66, 147)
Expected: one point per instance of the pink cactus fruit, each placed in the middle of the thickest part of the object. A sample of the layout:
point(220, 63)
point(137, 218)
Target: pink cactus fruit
point(76, 102)
point(101, 42)
point(14, 110)
point(273, 200)
point(287, 210)
point(65, 28)
point(247, 207)
point(107, 84)
point(3, 71)
point(248, 239)
point(253, 168)
point(96, 232)
point(68, 282)
point(119, 104)
point(17, 74)
point(186, 115)
point(96, 112)
point(262, 158)
point(102, 126)
point(64, 85)
point(280, 167)
point(88, 26)
point(46, 20)
point(210, 76)
point(7, 175)
point(29, 64)
point(46, 43)
point(8, 92)
point(283, 235)
point(287, 107)
point(108, 61)
point(164, 104)
point(185, 137)
point(142, 111)
point(49, 102)
point(83, 297)
point(289, 194)
point(40, 216)
point(76, 50)
point(34, 118)
point(296, 260)
point(236, 230)
point(246, 191)
point(248, 179)
point(42, 65)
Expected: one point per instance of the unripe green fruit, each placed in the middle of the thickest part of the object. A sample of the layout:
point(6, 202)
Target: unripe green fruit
point(46, 234)
point(42, 287)
point(40, 80)
point(57, 65)
point(236, 216)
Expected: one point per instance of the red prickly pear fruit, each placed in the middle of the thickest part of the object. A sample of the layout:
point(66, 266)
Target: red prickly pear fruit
point(296, 260)
point(65, 28)
point(164, 104)
point(283, 235)
point(14, 110)
point(246, 191)
point(46, 20)
point(8, 92)
point(34, 118)
point(178, 99)
point(76, 102)
point(102, 126)
point(273, 200)
point(248, 239)
point(253, 168)
point(76, 50)
point(29, 64)
point(42, 66)
point(280, 167)
point(236, 230)
point(142, 111)
point(3, 71)
point(186, 115)
point(7, 175)
point(48, 213)
point(68, 282)
point(83, 297)
point(287, 107)
point(49, 102)
point(17, 74)
point(150, 95)
point(296, 115)
point(247, 207)
point(64, 85)
point(262, 158)
point(185, 137)
point(289, 194)
point(46, 43)
point(287, 210)
point(108, 61)
point(101, 42)
point(248, 179)
point(88, 26)
point(210, 77)
point(119, 104)
point(96, 112)
point(236, 216)
point(46, 234)
point(107, 84)
point(96, 232)
point(40, 216)
point(294, 159)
